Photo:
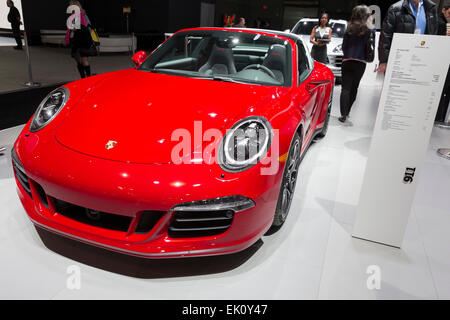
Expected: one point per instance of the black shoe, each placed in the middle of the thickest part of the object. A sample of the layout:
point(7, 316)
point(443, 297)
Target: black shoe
point(81, 70)
point(342, 118)
point(87, 70)
point(18, 48)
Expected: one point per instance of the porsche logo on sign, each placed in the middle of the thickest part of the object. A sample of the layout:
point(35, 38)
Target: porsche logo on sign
point(422, 43)
point(111, 144)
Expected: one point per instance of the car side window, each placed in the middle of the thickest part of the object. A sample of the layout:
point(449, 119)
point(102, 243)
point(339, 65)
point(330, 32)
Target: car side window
point(304, 66)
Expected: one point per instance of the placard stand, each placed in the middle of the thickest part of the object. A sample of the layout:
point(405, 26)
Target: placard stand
point(446, 124)
point(444, 153)
point(30, 82)
point(408, 105)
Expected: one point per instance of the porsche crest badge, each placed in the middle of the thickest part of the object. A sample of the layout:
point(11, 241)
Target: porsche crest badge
point(111, 144)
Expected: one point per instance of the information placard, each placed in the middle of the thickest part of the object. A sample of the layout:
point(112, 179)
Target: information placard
point(409, 100)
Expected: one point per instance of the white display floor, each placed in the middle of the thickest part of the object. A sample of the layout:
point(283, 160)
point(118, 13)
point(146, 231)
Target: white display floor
point(313, 256)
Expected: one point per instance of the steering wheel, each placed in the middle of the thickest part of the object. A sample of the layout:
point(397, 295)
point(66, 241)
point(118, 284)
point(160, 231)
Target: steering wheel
point(262, 68)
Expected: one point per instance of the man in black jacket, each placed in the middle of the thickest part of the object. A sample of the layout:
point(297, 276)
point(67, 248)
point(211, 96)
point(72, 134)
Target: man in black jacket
point(444, 18)
point(14, 19)
point(406, 16)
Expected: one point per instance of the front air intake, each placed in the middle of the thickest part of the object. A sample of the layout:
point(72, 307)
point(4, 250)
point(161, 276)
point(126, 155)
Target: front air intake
point(208, 217)
point(147, 220)
point(91, 217)
point(200, 224)
point(20, 173)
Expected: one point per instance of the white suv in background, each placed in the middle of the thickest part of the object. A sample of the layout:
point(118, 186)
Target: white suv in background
point(304, 28)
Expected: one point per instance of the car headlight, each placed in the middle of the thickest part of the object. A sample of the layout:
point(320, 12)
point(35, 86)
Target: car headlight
point(245, 144)
point(49, 108)
point(338, 49)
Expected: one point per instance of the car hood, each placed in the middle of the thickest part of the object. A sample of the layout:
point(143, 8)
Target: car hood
point(131, 115)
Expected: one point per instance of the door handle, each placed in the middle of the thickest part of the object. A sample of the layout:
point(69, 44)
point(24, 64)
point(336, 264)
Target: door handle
point(313, 85)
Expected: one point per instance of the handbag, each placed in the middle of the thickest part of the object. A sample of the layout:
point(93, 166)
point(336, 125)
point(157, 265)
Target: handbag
point(370, 47)
point(95, 37)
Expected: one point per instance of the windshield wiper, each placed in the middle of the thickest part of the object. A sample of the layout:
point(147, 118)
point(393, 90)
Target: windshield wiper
point(226, 79)
point(204, 77)
point(155, 70)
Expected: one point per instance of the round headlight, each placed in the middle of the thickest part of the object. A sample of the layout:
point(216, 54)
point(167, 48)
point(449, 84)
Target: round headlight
point(245, 144)
point(49, 108)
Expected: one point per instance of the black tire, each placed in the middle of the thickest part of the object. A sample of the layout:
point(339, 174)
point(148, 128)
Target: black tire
point(324, 130)
point(288, 182)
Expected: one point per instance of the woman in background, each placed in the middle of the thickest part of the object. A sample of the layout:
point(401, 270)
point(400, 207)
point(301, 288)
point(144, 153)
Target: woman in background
point(318, 35)
point(354, 45)
point(80, 40)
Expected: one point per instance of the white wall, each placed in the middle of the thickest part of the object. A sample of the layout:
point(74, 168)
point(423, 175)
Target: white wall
point(4, 10)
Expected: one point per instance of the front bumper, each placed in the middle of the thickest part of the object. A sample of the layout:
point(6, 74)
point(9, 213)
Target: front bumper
point(336, 70)
point(335, 64)
point(56, 173)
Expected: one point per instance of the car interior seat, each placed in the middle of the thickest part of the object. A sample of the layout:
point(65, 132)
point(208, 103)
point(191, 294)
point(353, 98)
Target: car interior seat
point(275, 60)
point(220, 61)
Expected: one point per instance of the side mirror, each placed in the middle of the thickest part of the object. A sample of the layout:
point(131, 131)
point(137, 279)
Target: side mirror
point(139, 57)
point(287, 30)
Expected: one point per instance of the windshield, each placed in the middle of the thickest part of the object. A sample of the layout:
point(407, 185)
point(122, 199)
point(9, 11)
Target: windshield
point(224, 56)
point(305, 28)
point(338, 29)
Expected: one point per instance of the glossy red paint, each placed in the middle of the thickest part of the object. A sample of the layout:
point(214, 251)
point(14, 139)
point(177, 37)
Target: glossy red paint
point(139, 111)
point(136, 117)
point(139, 57)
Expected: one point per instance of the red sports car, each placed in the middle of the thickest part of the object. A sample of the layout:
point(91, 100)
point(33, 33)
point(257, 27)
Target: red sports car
point(193, 152)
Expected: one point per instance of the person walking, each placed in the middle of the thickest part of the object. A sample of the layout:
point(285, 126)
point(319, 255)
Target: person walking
point(405, 16)
point(79, 38)
point(359, 31)
point(14, 19)
point(320, 35)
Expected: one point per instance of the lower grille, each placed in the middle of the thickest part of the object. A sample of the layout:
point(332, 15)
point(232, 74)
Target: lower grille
point(20, 173)
point(338, 61)
point(41, 193)
point(93, 218)
point(192, 224)
point(148, 220)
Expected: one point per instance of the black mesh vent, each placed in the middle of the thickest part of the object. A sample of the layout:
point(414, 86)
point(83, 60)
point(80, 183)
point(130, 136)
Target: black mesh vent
point(200, 224)
point(41, 194)
point(20, 173)
point(148, 220)
point(93, 218)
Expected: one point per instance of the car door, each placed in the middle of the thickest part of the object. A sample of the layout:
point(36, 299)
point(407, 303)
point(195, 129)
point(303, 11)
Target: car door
point(308, 98)
point(315, 86)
